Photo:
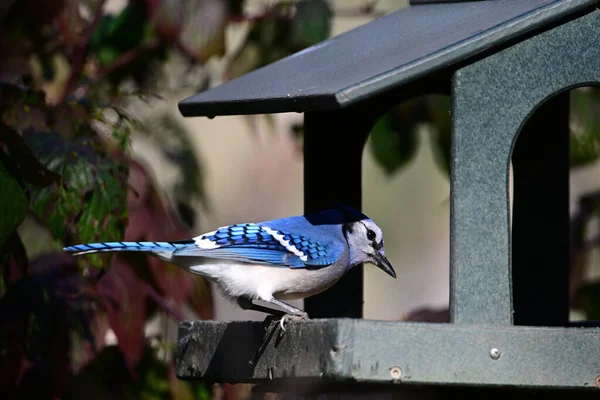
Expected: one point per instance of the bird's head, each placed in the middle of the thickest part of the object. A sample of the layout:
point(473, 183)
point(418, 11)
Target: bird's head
point(365, 241)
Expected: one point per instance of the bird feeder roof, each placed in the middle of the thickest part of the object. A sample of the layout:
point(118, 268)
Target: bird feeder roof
point(383, 54)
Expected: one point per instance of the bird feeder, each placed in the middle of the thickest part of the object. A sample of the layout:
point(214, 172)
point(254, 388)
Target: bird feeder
point(508, 66)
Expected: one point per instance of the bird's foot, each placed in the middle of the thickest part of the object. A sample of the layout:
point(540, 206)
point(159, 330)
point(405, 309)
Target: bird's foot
point(291, 317)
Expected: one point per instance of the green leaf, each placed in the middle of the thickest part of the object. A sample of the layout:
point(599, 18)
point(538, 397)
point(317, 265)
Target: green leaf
point(589, 300)
point(394, 136)
point(13, 204)
point(107, 54)
point(90, 205)
point(128, 31)
point(584, 140)
point(117, 34)
point(281, 33)
point(153, 382)
point(393, 146)
point(311, 23)
point(439, 117)
point(107, 375)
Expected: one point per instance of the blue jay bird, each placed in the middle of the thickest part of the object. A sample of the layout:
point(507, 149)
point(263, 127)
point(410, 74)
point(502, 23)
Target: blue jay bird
point(272, 261)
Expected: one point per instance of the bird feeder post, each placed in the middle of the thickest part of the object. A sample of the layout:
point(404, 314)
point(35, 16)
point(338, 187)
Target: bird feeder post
point(333, 143)
point(496, 273)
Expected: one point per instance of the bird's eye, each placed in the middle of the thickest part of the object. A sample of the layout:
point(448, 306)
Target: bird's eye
point(370, 234)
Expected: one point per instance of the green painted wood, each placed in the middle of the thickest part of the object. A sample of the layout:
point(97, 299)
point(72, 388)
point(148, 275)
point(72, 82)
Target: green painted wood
point(492, 99)
point(390, 353)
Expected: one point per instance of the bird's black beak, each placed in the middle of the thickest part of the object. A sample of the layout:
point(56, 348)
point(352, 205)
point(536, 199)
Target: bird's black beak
point(383, 263)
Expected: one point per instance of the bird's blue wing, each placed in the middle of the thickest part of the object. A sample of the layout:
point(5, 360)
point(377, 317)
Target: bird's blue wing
point(256, 243)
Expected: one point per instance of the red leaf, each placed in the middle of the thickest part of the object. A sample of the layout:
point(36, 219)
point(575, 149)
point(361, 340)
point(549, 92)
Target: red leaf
point(139, 223)
point(151, 220)
point(139, 181)
point(123, 296)
point(12, 361)
point(140, 212)
point(17, 266)
point(168, 17)
point(172, 281)
point(201, 300)
point(71, 23)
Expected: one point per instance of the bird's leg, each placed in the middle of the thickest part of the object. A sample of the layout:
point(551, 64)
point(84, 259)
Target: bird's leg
point(290, 309)
point(248, 304)
point(294, 313)
point(289, 313)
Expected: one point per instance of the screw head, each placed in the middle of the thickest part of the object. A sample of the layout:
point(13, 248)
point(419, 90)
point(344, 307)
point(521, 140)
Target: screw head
point(396, 372)
point(494, 353)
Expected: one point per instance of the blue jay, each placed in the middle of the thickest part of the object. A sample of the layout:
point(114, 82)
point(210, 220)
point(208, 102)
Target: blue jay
point(282, 259)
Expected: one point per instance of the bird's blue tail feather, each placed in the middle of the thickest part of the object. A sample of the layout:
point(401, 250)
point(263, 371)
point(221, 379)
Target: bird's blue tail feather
point(125, 246)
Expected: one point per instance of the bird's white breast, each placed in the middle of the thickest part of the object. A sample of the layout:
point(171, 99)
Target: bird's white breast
point(263, 282)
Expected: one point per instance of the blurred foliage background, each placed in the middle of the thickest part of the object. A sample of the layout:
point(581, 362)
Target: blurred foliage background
point(70, 76)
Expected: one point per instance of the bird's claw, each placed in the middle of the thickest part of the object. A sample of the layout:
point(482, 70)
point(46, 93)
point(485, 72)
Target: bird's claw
point(290, 317)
